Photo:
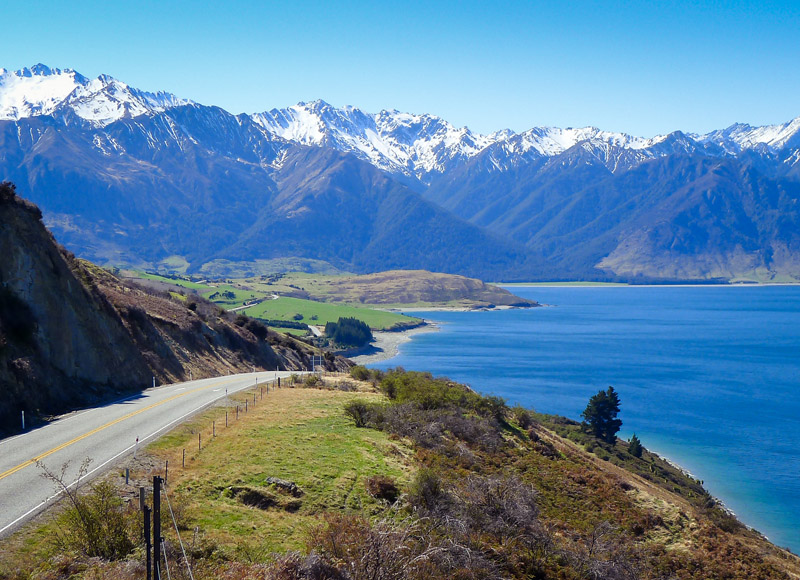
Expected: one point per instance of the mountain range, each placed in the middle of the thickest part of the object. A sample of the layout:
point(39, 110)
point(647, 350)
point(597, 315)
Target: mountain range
point(129, 177)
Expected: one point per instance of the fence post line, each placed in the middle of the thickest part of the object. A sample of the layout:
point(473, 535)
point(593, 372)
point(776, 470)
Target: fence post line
point(147, 545)
point(156, 526)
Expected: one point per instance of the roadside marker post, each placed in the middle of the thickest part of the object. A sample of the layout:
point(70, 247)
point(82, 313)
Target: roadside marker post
point(135, 447)
point(23, 420)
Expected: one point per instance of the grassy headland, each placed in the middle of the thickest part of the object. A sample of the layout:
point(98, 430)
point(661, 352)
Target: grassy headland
point(316, 299)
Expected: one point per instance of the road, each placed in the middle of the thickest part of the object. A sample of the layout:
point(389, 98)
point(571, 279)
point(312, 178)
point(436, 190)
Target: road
point(103, 434)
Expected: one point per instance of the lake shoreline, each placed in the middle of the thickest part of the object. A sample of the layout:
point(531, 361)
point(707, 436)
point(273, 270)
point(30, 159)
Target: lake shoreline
point(387, 344)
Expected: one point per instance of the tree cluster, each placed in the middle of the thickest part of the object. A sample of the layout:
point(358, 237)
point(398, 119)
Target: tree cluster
point(348, 332)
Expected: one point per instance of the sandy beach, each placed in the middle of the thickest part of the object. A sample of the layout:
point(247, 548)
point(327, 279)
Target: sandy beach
point(387, 344)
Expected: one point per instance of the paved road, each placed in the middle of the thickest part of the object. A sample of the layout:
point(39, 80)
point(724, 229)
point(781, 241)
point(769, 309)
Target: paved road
point(103, 434)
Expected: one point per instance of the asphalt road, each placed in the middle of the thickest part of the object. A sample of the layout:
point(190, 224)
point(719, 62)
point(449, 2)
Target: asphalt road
point(102, 434)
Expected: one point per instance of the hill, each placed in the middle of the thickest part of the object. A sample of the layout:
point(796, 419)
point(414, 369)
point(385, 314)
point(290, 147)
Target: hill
point(73, 334)
point(403, 476)
point(416, 287)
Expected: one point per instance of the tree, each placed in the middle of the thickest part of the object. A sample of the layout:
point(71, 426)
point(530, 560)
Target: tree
point(601, 415)
point(635, 446)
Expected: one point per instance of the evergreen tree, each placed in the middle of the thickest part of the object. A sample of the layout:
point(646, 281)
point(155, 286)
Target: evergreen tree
point(635, 446)
point(601, 415)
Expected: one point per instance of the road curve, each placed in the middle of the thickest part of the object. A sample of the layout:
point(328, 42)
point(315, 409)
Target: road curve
point(103, 434)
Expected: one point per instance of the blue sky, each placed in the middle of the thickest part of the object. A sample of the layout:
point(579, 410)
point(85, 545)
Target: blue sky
point(639, 67)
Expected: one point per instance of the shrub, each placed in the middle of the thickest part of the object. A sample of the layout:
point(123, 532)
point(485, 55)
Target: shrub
point(382, 487)
point(362, 412)
point(522, 416)
point(96, 524)
point(426, 492)
point(257, 328)
point(359, 373)
point(312, 381)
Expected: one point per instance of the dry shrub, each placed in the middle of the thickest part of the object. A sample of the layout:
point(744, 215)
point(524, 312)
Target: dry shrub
point(360, 550)
point(94, 524)
point(382, 487)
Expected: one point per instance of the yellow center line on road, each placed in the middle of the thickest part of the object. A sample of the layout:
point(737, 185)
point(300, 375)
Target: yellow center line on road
point(106, 426)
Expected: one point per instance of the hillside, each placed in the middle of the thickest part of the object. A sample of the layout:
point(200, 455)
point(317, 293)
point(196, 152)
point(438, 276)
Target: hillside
point(73, 334)
point(403, 476)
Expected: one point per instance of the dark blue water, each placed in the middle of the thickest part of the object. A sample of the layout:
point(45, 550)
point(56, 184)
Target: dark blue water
point(708, 376)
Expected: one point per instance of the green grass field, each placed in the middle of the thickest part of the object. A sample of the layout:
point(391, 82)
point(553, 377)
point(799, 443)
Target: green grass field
point(286, 309)
point(176, 281)
point(300, 435)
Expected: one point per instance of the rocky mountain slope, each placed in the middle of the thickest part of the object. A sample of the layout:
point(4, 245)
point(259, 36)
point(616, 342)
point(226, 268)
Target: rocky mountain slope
point(129, 177)
point(71, 333)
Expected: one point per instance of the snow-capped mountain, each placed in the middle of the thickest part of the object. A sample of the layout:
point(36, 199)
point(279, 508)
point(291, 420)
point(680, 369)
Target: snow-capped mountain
point(424, 145)
point(126, 176)
point(40, 90)
point(418, 147)
point(741, 136)
point(413, 145)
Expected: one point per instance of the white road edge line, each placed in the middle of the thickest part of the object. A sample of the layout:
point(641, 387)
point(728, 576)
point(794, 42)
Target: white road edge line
point(123, 452)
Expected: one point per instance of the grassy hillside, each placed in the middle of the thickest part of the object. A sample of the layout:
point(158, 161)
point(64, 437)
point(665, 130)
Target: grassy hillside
point(417, 478)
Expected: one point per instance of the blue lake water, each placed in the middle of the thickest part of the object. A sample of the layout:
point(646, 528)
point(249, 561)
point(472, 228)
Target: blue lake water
point(708, 377)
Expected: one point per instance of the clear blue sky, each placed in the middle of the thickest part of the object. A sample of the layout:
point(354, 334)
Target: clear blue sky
point(639, 67)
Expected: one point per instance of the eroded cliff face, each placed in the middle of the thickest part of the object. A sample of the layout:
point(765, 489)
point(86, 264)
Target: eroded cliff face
point(72, 334)
point(62, 344)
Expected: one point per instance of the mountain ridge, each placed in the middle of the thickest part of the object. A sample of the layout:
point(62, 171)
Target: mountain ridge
point(150, 171)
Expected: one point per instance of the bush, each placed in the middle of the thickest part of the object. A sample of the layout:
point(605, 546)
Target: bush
point(96, 524)
point(312, 381)
point(363, 413)
point(522, 416)
point(359, 373)
point(426, 492)
point(382, 487)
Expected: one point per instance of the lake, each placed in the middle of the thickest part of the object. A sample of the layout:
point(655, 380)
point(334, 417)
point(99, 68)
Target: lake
point(708, 377)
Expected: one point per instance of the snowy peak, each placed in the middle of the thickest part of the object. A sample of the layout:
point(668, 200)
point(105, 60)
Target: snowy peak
point(742, 136)
point(413, 145)
point(35, 91)
point(42, 90)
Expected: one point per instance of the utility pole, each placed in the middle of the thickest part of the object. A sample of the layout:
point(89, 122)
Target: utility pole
point(156, 526)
